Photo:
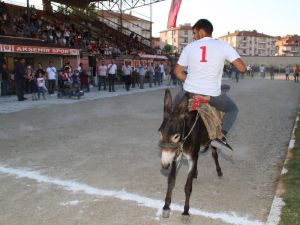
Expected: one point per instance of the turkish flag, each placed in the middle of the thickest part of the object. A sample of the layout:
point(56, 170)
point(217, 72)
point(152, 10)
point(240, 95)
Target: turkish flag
point(175, 5)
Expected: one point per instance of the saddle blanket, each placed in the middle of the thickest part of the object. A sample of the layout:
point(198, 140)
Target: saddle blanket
point(211, 117)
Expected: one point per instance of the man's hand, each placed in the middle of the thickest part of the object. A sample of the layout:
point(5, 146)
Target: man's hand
point(179, 72)
point(239, 64)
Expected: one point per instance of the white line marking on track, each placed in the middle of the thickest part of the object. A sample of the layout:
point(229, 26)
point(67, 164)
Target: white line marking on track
point(230, 218)
point(274, 216)
point(291, 144)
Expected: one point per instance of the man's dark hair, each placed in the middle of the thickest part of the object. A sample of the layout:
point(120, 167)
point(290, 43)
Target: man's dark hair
point(205, 25)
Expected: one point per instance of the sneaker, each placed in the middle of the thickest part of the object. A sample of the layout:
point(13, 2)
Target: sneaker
point(223, 145)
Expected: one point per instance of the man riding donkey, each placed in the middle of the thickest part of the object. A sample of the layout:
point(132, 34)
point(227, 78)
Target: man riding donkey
point(205, 59)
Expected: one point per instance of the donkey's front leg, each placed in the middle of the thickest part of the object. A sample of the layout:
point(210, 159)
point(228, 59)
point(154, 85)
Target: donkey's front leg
point(171, 184)
point(189, 184)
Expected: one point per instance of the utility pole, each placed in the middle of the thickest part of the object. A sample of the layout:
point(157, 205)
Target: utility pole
point(150, 22)
point(28, 13)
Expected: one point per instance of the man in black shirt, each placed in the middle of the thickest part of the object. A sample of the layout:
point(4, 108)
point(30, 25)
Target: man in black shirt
point(19, 78)
point(5, 79)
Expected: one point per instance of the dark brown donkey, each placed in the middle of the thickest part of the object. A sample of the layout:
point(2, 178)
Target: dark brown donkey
point(181, 135)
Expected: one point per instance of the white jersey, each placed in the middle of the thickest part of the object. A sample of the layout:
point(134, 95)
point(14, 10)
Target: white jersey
point(205, 61)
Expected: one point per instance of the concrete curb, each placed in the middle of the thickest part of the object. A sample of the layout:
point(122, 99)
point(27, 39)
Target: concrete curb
point(278, 203)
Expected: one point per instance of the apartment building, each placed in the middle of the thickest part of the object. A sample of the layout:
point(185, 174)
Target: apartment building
point(137, 25)
point(251, 43)
point(178, 37)
point(288, 45)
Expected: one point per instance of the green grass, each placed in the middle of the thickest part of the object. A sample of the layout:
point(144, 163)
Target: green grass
point(291, 211)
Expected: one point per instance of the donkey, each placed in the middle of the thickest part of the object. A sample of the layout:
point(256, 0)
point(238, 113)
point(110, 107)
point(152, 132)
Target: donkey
point(182, 132)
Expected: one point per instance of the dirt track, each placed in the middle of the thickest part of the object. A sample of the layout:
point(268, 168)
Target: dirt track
point(110, 144)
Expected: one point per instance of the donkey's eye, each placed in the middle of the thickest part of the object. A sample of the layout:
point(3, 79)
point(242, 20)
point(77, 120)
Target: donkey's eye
point(175, 138)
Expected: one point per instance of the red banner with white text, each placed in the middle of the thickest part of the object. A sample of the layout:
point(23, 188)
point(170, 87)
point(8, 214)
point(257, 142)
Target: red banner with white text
point(175, 6)
point(38, 50)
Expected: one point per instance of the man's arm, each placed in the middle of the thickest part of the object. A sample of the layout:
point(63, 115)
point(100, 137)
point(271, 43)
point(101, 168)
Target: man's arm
point(239, 64)
point(179, 72)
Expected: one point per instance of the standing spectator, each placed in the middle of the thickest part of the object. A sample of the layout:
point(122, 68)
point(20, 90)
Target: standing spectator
point(272, 72)
point(41, 83)
point(102, 73)
point(142, 72)
point(19, 78)
point(249, 69)
point(296, 73)
point(262, 71)
point(67, 37)
point(127, 70)
point(134, 78)
point(30, 76)
point(287, 72)
point(4, 79)
point(51, 74)
point(150, 72)
point(42, 71)
point(157, 75)
point(162, 71)
point(79, 68)
point(234, 73)
point(84, 78)
point(168, 74)
point(112, 70)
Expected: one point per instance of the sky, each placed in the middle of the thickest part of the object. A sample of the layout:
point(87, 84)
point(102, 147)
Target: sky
point(271, 17)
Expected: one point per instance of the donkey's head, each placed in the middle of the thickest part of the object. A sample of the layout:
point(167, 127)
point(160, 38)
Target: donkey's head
point(172, 128)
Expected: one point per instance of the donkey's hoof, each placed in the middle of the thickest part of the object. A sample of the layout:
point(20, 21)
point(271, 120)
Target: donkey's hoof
point(195, 174)
point(185, 218)
point(220, 174)
point(166, 213)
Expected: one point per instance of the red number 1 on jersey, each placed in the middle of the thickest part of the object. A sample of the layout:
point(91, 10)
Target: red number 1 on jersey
point(203, 59)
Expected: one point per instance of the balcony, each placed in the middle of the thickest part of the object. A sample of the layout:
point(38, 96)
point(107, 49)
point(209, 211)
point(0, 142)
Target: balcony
point(295, 49)
point(242, 40)
point(286, 48)
point(261, 47)
point(261, 41)
point(243, 46)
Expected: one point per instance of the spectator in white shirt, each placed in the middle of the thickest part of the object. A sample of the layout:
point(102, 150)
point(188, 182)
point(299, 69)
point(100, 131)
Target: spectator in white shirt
point(127, 70)
point(51, 73)
point(112, 71)
point(102, 74)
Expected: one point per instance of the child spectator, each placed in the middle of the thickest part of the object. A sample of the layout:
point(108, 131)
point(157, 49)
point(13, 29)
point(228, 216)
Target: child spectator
point(41, 84)
point(31, 80)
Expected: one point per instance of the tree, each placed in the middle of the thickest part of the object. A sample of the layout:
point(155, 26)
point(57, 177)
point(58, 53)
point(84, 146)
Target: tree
point(168, 48)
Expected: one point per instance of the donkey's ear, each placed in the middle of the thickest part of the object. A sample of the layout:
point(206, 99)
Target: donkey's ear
point(167, 104)
point(181, 109)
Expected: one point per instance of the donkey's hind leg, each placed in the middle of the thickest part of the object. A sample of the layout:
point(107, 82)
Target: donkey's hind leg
point(215, 157)
point(171, 184)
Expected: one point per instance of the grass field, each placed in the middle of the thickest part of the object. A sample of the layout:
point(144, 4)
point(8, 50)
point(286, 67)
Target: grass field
point(291, 211)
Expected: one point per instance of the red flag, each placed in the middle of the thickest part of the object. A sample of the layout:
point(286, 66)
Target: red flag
point(175, 5)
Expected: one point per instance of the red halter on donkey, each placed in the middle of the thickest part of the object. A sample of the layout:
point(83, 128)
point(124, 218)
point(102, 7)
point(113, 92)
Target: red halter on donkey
point(182, 132)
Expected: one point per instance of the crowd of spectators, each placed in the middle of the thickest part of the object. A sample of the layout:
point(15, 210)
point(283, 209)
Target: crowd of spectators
point(64, 32)
point(3, 17)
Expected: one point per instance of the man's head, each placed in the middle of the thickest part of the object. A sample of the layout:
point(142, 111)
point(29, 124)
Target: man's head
point(203, 28)
point(22, 60)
